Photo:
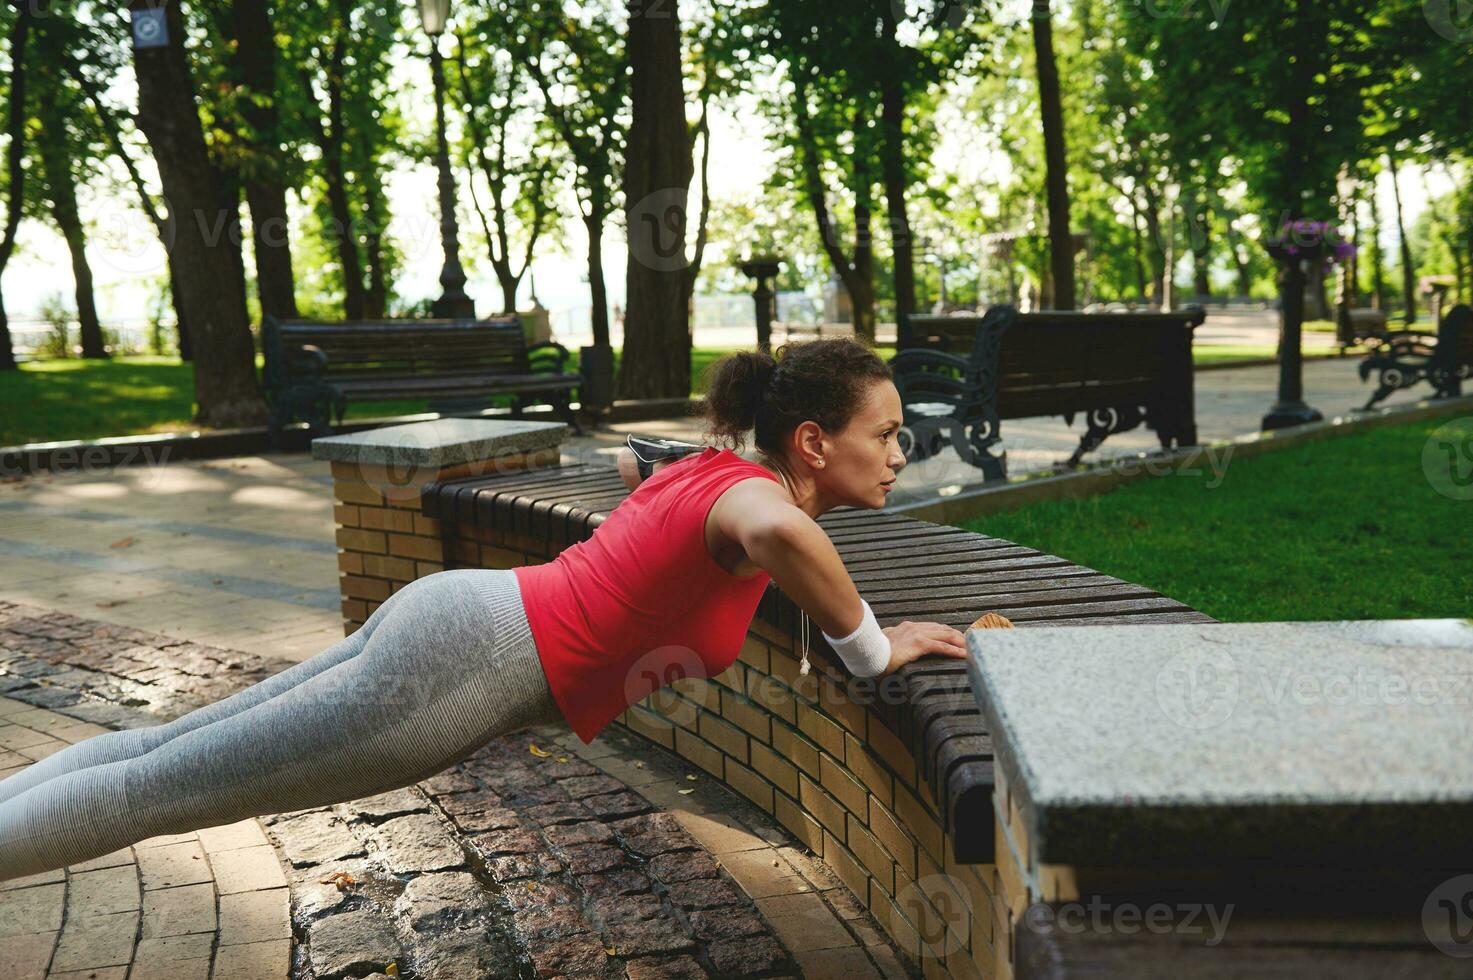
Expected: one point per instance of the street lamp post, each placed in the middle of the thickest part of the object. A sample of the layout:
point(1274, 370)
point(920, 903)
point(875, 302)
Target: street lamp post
point(762, 268)
point(453, 302)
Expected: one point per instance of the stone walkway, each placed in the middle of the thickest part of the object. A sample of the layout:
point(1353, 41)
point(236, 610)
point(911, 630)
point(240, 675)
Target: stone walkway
point(537, 856)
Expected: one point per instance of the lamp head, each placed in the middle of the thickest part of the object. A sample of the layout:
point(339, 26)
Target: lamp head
point(433, 14)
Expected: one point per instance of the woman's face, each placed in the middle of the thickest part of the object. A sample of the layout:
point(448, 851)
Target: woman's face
point(867, 451)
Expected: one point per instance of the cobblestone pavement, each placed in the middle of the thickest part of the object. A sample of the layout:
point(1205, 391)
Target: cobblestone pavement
point(536, 857)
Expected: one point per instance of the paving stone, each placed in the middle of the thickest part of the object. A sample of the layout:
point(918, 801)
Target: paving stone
point(247, 869)
point(529, 894)
point(109, 890)
point(648, 936)
point(251, 917)
point(615, 806)
point(613, 909)
point(164, 953)
point(587, 858)
point(804, 922)
point(493, 818)
point(394, 803)
point(123, 855)
point(264, 959)
point(178, 911)
point(538, 923)
point(438, 901)
point(588, 832)
point(704, 893)
point(510, 867)
point(450, 781)
point(230, 837)
point(315, 838)
point(418, 842)
point(837, 964)
point(682, 866)
point(675, 968)
point(568, 955)
point(315, 891)
point(725, 923)
point(31, 910)
point(517, 840)
point(580, 787)
point(463, 955)
point(747, 956)
point(564, 811)
point(357, 942)
point(182, 863)
point(623, 881)
point(96, 941)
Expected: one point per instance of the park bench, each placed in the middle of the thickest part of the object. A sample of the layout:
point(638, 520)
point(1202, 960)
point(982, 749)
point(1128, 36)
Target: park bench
point(1359, 326)
point(314, 368)
point(1405, 357)
point(960, 376)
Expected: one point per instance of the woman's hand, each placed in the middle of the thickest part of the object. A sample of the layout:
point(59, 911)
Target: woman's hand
point(909, 641)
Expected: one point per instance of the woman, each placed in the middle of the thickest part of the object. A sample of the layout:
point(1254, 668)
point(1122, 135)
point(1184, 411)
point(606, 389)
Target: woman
point(666, 587)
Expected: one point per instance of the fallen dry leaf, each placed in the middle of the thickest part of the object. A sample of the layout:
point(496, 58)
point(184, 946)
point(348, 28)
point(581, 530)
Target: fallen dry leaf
point(685, 792)
point(690, 776)
point(122, 543)
point(539, 753)
point(991, 620)
point(340, 878)
point(562, 758)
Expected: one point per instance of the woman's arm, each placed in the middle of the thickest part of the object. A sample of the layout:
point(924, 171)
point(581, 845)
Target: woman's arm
point(629, 467)
point(791, 547)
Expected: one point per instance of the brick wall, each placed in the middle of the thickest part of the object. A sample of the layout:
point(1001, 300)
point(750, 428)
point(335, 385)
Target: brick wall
point(799, 747)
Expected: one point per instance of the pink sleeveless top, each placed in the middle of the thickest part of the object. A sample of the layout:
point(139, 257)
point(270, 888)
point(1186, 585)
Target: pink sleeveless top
point(642, 602)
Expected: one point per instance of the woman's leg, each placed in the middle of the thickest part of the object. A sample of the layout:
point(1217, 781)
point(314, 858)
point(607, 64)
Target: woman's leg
point(445, 671)
point(131, 743)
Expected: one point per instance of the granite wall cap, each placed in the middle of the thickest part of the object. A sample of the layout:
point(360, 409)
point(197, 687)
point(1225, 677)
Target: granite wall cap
point(440, 442)
point(1328, 743)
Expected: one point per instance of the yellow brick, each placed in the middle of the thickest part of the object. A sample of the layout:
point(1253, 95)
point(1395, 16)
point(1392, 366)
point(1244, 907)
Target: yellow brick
point(823, 806)
point(353, 539)
point(501, 557)
point(362, 587)
point(386, 519)
point(383, 566)
point(773, 695)
point(423, 568)
point(732, 678)
point(918, 820)
point(724, 735)
point(976, 881)
point(350, 562)
point(427, 526)
point(865, 847)
point(754, 653)
point(822, 730)
point(894, 753)
point(837, 705)
point(842, 784)
point(749, 784)
point(869, 769)
point(800, 823)
point(652, 726)
point(796, 748)
point(747, 716)
point(356, 492)
point(413, 546)
point(699, 751)
point(771, 633)
point(345, 515)
point(889, 916)
point(845, 865)
point(355, 609)
point(778, 771)
point(952, 904)
point(897, 840)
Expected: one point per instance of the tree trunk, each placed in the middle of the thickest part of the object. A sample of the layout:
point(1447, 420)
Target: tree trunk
point(1408, 272)
point(340, 230)
point(225, 386)
point(1140, 265)
point(657, 176)
point(14, 164)
point(265, 190)
point(64, 209)
point(1158, 252)
point(1061, 241)
point(892, 162)
point(375, 300)
point(1240, 261)
point(1201, 249)
point(594, 222)
point(1378, 270)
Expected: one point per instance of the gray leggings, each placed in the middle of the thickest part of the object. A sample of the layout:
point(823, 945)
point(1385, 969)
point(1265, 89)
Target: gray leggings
point(441, 667)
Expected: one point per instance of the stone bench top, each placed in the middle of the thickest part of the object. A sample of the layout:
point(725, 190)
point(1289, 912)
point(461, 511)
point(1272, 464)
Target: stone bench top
point(1341, 743)
point(439, 442)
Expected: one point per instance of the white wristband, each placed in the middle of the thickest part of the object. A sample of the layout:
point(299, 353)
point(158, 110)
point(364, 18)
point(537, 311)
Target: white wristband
point(866, 651)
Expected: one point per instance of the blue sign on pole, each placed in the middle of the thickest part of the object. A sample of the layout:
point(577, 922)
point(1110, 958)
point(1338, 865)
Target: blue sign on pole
point(149, 28)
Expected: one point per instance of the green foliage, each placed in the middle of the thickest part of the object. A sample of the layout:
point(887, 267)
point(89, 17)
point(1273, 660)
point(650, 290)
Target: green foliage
point(1345, 528)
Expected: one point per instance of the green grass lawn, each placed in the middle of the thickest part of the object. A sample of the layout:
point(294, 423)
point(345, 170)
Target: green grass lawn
point(1345, 528)
point(46, 401)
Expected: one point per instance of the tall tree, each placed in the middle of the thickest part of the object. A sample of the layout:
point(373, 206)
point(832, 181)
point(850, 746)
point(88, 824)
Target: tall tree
point(657, 176)
point(20, 30)
point(1061, 239)
point(226, 393)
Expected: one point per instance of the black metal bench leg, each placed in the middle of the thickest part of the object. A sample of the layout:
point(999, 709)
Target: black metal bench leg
point(565, 409)
point(1103, 423)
